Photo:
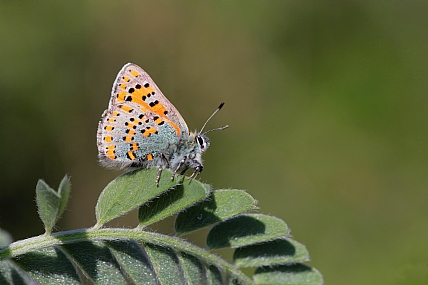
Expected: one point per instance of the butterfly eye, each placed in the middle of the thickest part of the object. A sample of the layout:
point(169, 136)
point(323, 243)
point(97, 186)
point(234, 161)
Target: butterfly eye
point(201, 142)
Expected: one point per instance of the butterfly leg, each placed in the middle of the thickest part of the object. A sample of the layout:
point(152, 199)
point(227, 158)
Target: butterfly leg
point(178, 167)
point(197, 171)
point(194, 174)
point(159, 175)
point(163, 158)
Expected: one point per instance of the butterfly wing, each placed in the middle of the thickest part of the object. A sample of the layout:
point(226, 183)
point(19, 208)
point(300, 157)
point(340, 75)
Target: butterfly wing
point(140, 122)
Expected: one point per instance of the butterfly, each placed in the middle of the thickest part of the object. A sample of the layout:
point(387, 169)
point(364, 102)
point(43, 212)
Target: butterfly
point(142, 129)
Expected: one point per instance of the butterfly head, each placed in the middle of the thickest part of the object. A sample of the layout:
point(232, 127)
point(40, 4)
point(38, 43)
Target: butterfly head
point(197, 144)
point(202, 142)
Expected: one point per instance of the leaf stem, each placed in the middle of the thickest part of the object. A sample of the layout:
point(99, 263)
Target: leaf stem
point(57, 239)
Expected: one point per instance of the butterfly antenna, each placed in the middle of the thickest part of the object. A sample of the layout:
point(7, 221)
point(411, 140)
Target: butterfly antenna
point(222, 128)
point(217, 129)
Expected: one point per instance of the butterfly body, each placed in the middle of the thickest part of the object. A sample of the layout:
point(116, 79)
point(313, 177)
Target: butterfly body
point(142, 129)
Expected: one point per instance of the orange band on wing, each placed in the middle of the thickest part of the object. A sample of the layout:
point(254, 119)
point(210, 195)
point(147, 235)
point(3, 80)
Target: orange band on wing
point(121, 96)
point(130, 155)
point(148, 132)
point(158, 109)
point(111, 151)
point(134, 73)
point(134, 146)
point(126, 108)
point(108, 138)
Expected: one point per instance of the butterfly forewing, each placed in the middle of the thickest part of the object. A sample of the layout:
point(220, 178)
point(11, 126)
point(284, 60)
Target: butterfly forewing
point(140, 123)
point(133, 80)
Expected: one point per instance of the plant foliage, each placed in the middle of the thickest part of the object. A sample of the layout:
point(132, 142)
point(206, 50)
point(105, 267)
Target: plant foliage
point(101, 255)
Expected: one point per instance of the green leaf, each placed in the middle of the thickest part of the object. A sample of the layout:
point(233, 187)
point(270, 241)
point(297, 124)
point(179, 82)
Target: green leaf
point(233, 281)
point(279, 251)
point(134, 261)
point(165, 263)
point(130, 190)
point(221, 205)
point(48, 203)
point(193, 269)
point(9, 274)
point(288, 275)
point(64, 190)
point(48, 266)
point(96, 261)
point(245, 230)
point(173, 201)
point(214, 275)
point(134, 256)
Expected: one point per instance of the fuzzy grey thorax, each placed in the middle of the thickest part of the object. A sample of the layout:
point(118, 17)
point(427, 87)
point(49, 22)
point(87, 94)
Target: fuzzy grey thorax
point(189, 154)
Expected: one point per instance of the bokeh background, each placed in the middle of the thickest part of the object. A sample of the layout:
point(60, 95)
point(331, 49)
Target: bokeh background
point(327, 104)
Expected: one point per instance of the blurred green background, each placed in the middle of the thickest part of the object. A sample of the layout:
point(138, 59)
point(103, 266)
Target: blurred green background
point(326, 101)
